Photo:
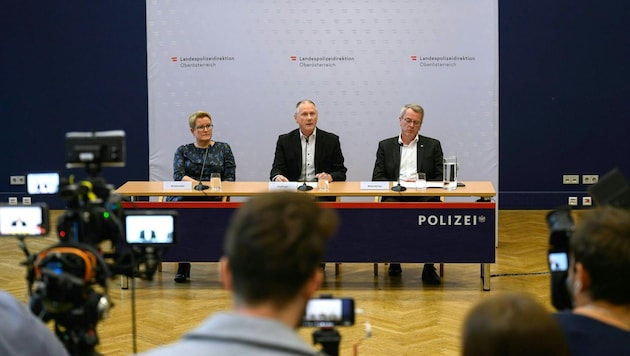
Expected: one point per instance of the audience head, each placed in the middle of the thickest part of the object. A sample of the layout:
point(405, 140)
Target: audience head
point(511, 324)
point(306, 116)
point(273, 248)
point(600, 257)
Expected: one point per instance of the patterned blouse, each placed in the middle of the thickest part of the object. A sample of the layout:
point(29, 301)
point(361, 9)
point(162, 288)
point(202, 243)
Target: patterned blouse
point(189, 159)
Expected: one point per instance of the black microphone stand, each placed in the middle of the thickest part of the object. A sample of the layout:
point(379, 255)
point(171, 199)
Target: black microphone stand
point(200, 185)
point(305, 187)
point(398, 187)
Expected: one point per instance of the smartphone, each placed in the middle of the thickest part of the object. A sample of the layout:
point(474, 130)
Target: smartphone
point(42, 183)
point(150, 227)
point(329, 312)
point(558, 261)
point(24, 220)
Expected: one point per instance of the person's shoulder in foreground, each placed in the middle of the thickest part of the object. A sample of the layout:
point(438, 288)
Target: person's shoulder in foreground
point(234, 334)
point(597, 282)
point(21, 333)
point(588, 336)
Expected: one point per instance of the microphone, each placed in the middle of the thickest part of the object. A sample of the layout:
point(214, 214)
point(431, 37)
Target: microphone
point(305, 187)
point(201, 186)
point(398, 187)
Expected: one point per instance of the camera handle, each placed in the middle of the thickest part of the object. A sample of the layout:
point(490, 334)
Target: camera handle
point(329, 338)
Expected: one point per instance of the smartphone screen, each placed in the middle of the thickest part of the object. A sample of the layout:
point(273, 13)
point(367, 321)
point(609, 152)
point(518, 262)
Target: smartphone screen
point(326, 312)
point(23, 220)
point(558, 261)
point(150, 227)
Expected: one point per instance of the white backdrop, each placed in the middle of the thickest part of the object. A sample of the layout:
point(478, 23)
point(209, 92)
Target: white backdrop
point(249, 62)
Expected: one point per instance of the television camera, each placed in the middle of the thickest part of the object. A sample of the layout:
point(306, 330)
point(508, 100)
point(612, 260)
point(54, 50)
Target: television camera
point(612, 189)
point(68, 282)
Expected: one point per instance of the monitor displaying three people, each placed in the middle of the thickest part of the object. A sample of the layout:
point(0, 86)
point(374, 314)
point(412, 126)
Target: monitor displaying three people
point(146, 227)
point(23, 220)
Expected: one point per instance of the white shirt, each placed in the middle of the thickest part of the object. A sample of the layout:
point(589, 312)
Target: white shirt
point(309, 148)
point(408, 158)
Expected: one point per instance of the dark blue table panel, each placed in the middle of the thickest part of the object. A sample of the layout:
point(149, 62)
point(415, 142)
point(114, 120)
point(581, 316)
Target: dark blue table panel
point(368, 232)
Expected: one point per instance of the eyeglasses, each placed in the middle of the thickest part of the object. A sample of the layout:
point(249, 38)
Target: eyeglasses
point(412, 122)
point(204, 127)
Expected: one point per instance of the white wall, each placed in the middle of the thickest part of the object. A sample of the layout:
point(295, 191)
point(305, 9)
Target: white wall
point(252, 95)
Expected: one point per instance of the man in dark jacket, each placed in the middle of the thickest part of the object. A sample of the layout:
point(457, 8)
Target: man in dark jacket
point(321, 149)
point(420, 154)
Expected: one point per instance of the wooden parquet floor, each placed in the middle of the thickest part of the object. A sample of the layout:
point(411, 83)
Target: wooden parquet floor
point(406, 317)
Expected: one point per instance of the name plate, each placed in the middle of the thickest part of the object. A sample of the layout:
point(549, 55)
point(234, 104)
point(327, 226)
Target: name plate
point(282, 185)
point(375, 185)
point(177, 185)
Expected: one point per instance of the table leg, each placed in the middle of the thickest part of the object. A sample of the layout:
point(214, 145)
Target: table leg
point(485, 276)
point(124, 282)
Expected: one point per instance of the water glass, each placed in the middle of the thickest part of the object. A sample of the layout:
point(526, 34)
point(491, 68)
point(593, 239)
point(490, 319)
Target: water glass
point(421, 183)
point(215, 182)
point(323, 184)
point(450, 172)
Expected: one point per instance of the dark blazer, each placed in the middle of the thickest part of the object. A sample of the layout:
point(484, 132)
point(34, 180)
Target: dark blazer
point(430, 161)
point(328, 157)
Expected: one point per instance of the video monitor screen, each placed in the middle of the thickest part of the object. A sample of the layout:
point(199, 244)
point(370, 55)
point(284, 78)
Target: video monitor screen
point(23, 220)
point(153, 227)
point(42, 183)
point(329, 312)
point(558, 261)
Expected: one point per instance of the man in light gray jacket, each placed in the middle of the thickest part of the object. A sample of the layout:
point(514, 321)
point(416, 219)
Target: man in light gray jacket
point(272, 251)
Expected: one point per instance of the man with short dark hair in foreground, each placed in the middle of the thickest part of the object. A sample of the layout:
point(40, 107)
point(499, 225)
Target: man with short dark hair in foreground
point(599, 274)
point(272, 251)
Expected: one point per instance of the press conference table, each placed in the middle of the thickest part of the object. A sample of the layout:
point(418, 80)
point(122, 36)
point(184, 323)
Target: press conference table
point(481, 189)
point(446, 232)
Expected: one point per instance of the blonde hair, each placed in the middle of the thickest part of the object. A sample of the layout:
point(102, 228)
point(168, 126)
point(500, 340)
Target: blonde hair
point(192, 119)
